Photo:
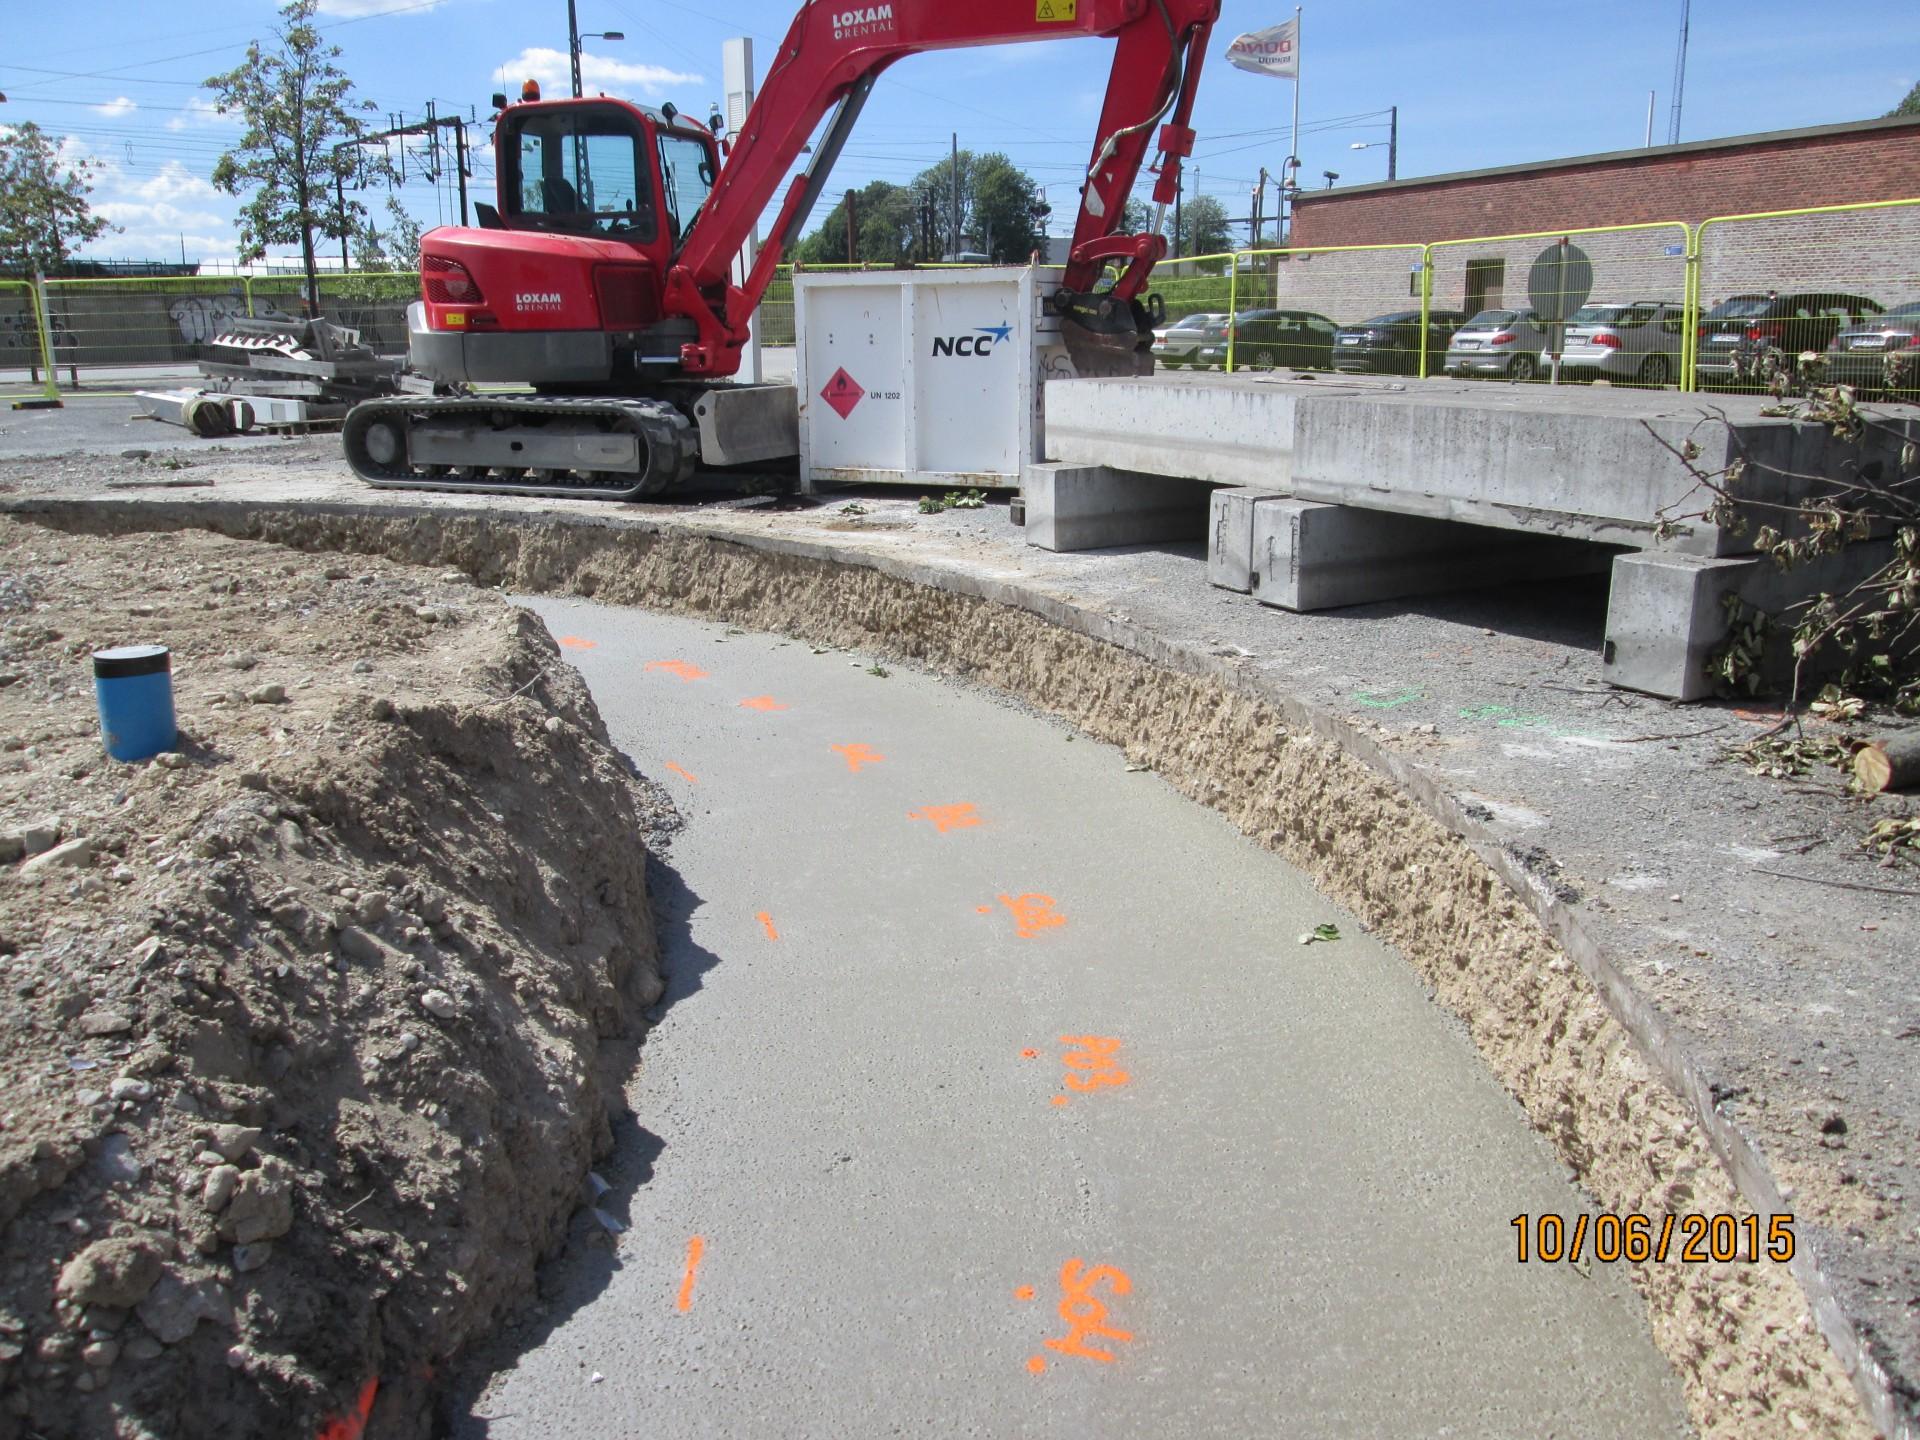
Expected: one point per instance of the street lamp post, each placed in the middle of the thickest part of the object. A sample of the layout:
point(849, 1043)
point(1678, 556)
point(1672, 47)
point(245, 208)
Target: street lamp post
point(1392, 142)
point(574, 37)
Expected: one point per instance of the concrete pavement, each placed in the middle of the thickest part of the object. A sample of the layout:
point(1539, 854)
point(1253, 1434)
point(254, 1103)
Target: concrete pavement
point(865, 1098)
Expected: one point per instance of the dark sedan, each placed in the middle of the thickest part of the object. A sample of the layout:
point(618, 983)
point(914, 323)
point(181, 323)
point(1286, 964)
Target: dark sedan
point(1265, 339)
point(1390, 344)
point(1880, 356)
point(1740, 327)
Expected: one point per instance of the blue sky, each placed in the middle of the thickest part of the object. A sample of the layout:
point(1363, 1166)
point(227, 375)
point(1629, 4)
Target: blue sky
point(1478, 82)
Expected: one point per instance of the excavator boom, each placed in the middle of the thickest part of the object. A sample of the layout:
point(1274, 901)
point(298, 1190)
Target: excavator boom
point(830, 59)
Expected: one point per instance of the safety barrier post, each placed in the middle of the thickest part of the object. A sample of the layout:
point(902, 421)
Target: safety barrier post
point(1426, 302)
point(1233, 302)
point(1690, 316)
point(44, 328)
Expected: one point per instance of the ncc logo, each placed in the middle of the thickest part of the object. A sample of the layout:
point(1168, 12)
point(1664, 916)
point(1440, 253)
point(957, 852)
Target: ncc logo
point(979, 344)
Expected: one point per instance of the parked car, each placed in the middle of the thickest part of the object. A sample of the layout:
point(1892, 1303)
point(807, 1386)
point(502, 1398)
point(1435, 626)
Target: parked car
point(1742, 325)
point(1636, 342)
point(1263, 339)
point(1174, 345)
point(1498, 342)
point(1390, 344)
point(1859, 353)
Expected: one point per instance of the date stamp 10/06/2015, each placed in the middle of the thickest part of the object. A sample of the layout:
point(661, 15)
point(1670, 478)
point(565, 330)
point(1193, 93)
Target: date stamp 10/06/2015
point(1637, 1239)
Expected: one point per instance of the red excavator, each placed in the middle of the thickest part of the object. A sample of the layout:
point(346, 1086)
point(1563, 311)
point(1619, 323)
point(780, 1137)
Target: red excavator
point(603, 277)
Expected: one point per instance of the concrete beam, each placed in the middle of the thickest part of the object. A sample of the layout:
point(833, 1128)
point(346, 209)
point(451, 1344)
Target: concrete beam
point(1230, 536)
point(1229, 430)
point(1090, 507)
point(1667, 614)
point(1316, 557)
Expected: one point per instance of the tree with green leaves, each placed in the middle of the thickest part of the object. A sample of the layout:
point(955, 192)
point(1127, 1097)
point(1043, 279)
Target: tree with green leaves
point(1001, 209)
point(1908, 106)
point(889, 221)
point(297, 106)
point(44, 211)
point(1204, 227)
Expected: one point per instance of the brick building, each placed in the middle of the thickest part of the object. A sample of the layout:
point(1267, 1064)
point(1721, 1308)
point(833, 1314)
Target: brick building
point(1874, 252)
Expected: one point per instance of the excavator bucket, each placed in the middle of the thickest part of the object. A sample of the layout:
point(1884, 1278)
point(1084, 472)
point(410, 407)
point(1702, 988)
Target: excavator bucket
point(1104, 335)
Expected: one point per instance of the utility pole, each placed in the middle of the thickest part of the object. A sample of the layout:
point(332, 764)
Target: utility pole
point(1679, 73)
point(1393, 143)
point(573, 45)
point(953, 229)
point(853, 229)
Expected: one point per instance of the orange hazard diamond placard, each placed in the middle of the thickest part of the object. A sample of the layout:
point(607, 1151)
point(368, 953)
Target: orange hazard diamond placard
point(843, 392)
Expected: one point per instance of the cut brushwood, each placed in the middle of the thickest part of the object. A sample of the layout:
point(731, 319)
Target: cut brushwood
point(1890, 764)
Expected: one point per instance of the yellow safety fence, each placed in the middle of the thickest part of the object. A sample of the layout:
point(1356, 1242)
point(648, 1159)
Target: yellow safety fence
point(1679, 299)
point(24, 341)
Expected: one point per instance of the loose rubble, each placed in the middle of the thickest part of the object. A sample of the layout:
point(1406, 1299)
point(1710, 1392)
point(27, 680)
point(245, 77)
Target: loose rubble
point(312, 1027)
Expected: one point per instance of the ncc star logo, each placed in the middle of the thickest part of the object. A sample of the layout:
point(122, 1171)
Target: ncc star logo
point(978, 345)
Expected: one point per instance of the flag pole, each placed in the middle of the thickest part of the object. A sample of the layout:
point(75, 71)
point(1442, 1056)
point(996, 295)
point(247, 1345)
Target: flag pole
point(1293, 152)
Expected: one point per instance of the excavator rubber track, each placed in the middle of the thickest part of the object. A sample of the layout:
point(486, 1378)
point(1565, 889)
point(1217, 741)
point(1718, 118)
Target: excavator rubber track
point(583, 447)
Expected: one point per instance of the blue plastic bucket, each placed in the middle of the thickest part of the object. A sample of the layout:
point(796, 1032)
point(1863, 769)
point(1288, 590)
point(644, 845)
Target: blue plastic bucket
point(134, 687)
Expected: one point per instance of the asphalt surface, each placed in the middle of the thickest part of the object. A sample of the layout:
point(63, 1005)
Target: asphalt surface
point(1272, 1181)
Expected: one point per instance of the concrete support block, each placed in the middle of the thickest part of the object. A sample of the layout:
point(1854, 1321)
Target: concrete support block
point(1666, 614)
point(1316, 557)
point(1230, 536)
point(1231, 430)
point(1089, 507)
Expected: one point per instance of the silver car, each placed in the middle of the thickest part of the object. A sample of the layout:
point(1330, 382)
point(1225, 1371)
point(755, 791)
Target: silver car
point(1179, 343)
point(1498, 342)
point(1637, 342)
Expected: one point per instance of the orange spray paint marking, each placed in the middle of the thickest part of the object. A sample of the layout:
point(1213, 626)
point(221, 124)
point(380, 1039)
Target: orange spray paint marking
point(1023, 1292)
point(1029, 1054)
point(696, 1247)
point(1036, 1364)
point(761, 702)
point(858, 755)
point(574, 642)
point(686, 775)
point(766, 923)
point(947, 817)
point(1058, 1101)
point(353, 1424)
point(1095, 1056)
point(685, 669)
point(1032, 914)
point(1085, 1315)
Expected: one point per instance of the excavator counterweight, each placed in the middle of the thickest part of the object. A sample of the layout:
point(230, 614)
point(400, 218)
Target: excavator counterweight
point(603, 276)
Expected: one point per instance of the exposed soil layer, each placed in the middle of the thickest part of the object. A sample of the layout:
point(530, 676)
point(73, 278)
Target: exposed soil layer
point(315, 1025)
point(1741, 1335)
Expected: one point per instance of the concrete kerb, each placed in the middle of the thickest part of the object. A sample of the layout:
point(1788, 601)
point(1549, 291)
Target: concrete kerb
point(409, 534)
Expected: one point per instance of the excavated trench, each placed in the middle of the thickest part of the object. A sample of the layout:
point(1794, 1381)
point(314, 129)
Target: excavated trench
point(1592, 1065)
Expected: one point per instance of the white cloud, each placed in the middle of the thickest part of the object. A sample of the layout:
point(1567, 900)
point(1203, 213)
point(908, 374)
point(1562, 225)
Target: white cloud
point(116, 107)
point(174, 182)
point(355, 9)
point(598, 73)
point(157, 217)
point(199, 111)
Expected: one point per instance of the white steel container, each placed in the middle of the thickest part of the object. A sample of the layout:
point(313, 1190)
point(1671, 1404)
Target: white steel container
point(930, 378)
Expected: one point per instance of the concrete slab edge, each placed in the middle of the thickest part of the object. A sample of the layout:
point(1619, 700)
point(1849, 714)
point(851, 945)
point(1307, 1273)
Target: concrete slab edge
point(1662, 1048)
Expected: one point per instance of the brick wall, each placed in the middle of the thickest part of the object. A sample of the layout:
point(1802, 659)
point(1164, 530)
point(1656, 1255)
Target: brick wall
point(1870, 162)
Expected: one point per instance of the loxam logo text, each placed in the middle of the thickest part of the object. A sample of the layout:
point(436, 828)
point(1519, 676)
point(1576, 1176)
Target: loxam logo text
point(862, 20)
point(537, 300)
point(978, 344)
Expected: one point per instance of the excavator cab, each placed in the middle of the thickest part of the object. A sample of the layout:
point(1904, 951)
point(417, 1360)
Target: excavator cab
point(605, 169)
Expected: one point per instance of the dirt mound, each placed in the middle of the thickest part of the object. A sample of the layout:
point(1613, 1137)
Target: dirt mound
point(314, 1027)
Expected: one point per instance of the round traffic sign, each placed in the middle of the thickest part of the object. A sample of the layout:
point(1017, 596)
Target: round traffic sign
point(1559, 282)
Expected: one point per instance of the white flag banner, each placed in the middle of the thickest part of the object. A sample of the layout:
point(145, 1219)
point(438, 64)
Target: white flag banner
point(1274, 51)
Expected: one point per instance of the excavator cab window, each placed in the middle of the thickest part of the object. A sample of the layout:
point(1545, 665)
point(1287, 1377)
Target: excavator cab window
point(686, 170)
point(584, 171)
